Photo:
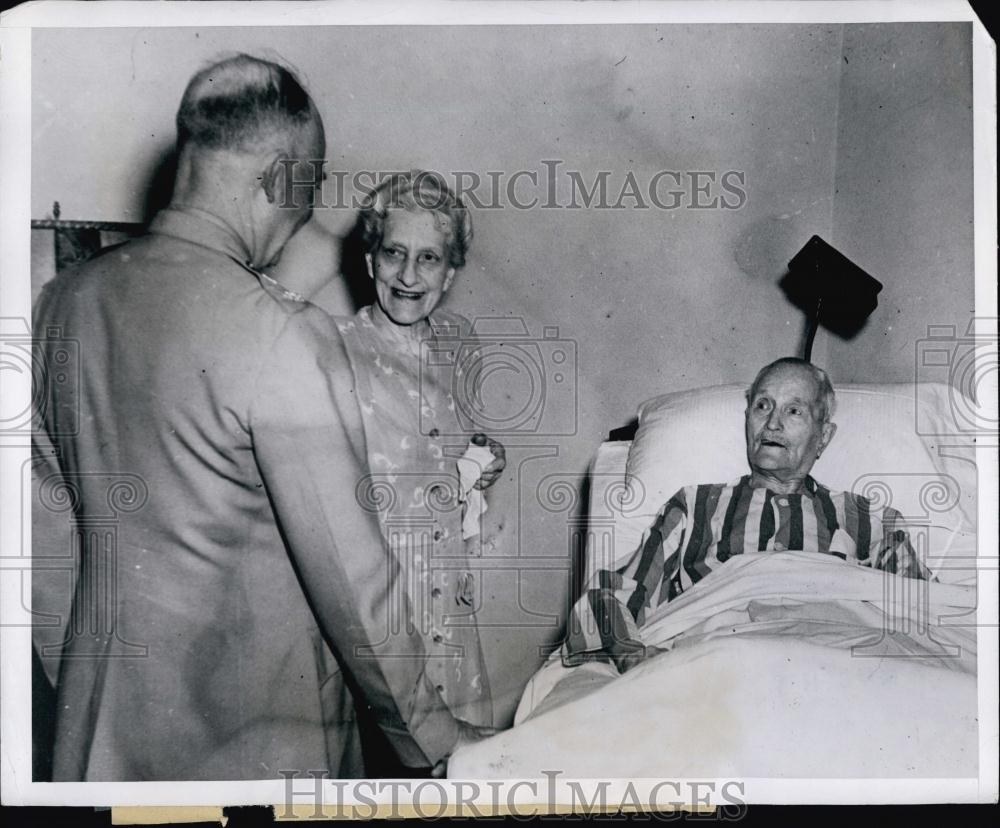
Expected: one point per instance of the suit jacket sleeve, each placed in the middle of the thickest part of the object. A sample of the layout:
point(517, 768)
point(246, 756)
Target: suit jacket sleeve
point(309, 444)
point(53, 578)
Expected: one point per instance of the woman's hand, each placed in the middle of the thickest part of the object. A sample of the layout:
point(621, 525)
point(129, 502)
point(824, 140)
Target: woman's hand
point(491, 474)
point(468, 734)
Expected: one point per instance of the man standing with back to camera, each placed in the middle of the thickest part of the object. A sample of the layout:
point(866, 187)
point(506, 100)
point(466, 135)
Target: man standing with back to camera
point(227, 401)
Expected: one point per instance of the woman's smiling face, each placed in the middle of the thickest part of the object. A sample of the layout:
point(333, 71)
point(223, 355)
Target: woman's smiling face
point(410, 266)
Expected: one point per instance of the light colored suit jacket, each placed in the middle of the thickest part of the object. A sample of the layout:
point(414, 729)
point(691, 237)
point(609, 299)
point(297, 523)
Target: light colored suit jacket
point(208, 455)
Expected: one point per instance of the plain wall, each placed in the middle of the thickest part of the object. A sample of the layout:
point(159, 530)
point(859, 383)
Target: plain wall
point(903, 206)
point(652, 299)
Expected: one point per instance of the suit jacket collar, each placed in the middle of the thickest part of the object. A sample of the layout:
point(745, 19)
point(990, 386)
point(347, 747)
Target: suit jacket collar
point(202, 228)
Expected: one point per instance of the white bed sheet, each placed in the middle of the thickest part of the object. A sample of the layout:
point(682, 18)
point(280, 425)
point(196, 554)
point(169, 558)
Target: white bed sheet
point(765, 674)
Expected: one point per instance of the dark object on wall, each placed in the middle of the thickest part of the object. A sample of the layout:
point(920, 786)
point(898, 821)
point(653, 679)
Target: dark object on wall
point(78, 241)
point(625, 432)
point(831, 289)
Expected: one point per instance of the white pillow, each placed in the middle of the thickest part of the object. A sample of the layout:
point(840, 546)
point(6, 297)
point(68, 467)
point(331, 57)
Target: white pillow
point(608, 515)
point(888, 447)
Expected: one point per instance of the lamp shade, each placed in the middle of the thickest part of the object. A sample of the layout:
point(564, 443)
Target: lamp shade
point(822, 280)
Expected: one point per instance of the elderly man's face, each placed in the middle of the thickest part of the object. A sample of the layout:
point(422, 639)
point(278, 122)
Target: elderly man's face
point(784, 424)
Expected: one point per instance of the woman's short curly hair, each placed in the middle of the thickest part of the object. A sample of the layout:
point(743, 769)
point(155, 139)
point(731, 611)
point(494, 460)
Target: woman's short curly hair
point(417, 190)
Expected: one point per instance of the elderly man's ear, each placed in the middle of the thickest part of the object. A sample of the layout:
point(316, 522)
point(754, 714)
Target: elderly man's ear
point(829, 429)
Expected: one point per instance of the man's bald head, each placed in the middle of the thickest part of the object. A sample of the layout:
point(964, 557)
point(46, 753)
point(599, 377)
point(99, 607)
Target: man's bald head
point(244, 104)
point(250, 151)
point(825, 399)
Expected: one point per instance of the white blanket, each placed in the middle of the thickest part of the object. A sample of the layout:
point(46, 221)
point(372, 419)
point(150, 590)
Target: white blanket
point(775, 665)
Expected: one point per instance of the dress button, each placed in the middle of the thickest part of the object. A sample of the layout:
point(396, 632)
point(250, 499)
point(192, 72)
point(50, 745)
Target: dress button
point(435, 593)
point(433, 433)
point(437, 534)
point(438, 638)
point(440, 688)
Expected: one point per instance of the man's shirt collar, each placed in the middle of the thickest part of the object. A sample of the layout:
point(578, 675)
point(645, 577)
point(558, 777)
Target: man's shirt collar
point(809, 485)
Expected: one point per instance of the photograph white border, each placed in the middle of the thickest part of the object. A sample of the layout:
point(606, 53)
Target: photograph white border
point(15, 294)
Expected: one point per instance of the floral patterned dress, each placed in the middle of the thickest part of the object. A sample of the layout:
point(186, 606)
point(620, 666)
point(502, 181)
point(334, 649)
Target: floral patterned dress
point(406, 391)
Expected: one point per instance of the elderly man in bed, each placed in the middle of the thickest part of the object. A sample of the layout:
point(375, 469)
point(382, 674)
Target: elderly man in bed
point(776, 507)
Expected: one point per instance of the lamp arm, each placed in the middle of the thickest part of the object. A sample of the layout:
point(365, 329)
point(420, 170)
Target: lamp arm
point(811, 326)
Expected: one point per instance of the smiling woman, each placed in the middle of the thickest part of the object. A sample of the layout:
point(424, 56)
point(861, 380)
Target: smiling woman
point(416, 233)
point(404, 351)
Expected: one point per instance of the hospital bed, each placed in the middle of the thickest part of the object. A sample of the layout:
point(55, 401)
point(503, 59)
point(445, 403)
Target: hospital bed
point(778, 665)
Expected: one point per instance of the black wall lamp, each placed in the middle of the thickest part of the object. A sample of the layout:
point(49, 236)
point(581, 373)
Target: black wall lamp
point(832, 290)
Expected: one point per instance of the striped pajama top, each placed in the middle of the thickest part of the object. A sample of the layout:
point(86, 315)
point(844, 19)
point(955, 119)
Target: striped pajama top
point(700, 528)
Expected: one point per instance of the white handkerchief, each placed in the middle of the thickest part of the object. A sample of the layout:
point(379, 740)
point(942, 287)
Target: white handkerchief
point(470, 469)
